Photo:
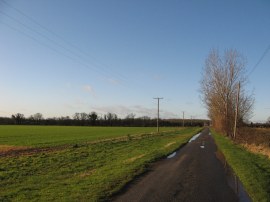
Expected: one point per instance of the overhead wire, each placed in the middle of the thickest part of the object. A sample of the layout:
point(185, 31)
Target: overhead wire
point(57, 35)
point(77, 56)
point(259, 61)
point(54, 42)
point(46, 45)
point(105, 70)
point(51, 32)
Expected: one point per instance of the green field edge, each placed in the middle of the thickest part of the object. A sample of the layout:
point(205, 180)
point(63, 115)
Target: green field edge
point(32, 150)
point(34, 177)
point(83, 142)
point(253, 170)
point(49, 136)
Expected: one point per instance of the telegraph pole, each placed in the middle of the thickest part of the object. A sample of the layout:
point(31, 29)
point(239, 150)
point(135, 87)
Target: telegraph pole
point(183, 118)
point(236, 110)
point(158, 98)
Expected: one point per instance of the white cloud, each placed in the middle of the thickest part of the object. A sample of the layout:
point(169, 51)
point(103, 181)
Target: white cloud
point(139, 110)
point(144, 111)
point(113, 81)
point(189, 103)
point(78, 104)
point(157, 77)
point(89, 89)
point(118, 109)
point(68, 85)
point(5, 113)
point(168, 114)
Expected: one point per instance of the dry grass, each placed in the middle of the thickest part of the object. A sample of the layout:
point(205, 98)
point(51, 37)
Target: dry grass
point(256, 140)
point(130, 160)
point(169, 144)
point(258, 149)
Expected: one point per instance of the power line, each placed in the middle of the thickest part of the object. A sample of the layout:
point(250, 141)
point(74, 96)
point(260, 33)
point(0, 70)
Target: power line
point(260, 60)
point(83, 64)
point(96, 63)
point(121, 77)
point(51, 48)
point(56, 43)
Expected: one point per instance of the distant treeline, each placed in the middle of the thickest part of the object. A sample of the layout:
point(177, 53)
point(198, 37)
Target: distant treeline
point(93, 119)
point(259, 125)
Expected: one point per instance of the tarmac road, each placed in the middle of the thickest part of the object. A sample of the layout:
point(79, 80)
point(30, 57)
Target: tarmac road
point(193, 174)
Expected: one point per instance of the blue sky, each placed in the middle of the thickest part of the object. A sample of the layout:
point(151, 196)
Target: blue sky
point(67, 56)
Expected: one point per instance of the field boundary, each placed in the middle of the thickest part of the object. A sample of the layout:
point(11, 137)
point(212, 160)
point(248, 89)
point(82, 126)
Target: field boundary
point(21, 150)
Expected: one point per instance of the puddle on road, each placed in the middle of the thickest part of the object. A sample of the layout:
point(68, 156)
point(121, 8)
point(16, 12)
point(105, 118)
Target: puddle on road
point(209, 133)
point(233, 181)
point(171, 155)
point(194, 137)
point(203, 143)
point(236, 185)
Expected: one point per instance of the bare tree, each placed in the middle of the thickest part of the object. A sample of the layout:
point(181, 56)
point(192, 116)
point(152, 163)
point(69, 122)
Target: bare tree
point(130, 116)
point(110, 117)
point(38, 117)
point(221, 76)
point(18, 118)
point(130, 119)
point(76, 116)
point(83, 116)
point(93, 117)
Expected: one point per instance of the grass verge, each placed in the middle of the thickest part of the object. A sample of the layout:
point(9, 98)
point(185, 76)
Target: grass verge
point(252, 169)
point(89, 172)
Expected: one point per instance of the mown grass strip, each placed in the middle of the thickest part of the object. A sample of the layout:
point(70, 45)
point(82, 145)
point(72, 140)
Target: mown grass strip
point(90, 172)
point(252, 169)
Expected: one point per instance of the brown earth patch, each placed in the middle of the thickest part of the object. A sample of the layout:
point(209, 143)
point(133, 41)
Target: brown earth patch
point(130, 160)
point(7, 148)
point(26, 151)
point(169, 144)
point(22, 150)
point(87, 173)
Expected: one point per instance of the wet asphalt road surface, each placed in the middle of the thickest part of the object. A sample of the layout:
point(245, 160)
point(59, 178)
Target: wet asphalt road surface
point(193, 174)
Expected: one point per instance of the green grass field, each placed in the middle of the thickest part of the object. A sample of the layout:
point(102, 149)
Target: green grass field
point(252, 169)
point(57, 135)
point(89, 172)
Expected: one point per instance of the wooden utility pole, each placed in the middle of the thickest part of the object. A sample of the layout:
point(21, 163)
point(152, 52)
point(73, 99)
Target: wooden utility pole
point(158, 98)
point(236, 111)
point(183, 119)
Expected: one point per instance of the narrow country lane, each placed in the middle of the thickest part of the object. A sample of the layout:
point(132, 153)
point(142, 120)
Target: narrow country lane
point(193, 174)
